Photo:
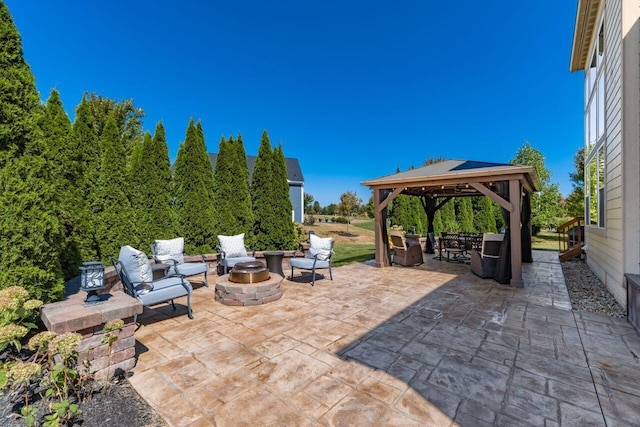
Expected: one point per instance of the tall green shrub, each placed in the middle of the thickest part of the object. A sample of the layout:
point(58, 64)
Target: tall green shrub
point(283, 237)
point(262, 184)
point(18, 95)
point(158, 217)
point(484, 219)
point(114, 221)
point(232, 199)
point(465, 214)
point(89, 160)
point(448, 215)
point(61, 149)
point(193, 192)
point(30, 233)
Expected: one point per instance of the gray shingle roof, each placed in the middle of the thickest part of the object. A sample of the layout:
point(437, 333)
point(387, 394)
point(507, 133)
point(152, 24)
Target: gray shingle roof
point(294, 173)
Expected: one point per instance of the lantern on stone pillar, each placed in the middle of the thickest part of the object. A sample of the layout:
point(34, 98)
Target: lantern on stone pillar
point(92, 280)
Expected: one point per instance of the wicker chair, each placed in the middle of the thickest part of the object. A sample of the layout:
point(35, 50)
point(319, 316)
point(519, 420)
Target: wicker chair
point(403, 254)
point(483, 263)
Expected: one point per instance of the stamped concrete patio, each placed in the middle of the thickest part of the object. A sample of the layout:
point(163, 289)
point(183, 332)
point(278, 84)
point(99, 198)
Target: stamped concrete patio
point(433, 345)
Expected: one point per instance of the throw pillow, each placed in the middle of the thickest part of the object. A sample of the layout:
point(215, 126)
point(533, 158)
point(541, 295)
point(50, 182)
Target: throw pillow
point(320, 246)
point(170, 249)
point(233, 246)
point(136, 264)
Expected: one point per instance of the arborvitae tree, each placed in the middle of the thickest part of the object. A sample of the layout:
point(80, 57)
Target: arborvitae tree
point(448, 215)
point(284, 232)
point(30, 233)
point(465, 214)
point(232, 200)
point(243, 208)
point(438, 226)
point(114, 221)
point(159, 219)
point(484, 220)
point(401, 212)
point(89, 159)
point(262, 182)
point(136, 175)
point(18, 95)
point(193, 193)
point(223, 188)
point(61, 149)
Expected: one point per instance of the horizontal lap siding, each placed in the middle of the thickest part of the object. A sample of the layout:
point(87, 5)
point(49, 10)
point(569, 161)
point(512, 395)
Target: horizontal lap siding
point(606, 246)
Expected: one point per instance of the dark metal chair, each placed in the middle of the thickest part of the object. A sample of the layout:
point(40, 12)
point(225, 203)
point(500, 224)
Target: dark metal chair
point(155, 292)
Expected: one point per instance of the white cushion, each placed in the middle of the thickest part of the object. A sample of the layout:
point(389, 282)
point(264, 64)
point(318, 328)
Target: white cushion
point(170, 249)
point(233, 246)
point(136, 264)
point(320, 246)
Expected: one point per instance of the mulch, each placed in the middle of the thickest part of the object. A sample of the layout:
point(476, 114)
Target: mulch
point(119, 406)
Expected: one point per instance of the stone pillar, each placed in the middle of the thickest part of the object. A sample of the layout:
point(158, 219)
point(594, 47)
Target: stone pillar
point(71, 315)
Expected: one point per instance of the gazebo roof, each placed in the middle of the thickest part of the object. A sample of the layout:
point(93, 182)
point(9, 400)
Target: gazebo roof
point(452, 178)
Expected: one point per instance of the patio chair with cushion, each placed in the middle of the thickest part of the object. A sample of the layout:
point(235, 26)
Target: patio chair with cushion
point(171, 252)
point(233, 251)
point(134, 270)
point(483, 263)
point(318, 257)
point(403, 253)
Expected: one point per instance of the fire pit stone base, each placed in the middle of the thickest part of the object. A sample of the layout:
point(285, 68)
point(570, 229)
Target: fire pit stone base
point(232, 293)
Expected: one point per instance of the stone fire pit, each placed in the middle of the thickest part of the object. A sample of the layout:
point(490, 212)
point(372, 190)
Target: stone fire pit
point(248, 283)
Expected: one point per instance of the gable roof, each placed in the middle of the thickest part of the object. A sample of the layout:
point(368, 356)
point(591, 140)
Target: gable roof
point(294, 173)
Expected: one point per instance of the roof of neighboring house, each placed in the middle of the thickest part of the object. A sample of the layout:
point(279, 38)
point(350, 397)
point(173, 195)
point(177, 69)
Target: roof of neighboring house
point(583, 33)
point(294, 173)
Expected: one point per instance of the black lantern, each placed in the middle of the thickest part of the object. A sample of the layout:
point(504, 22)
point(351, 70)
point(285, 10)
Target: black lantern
point(92, 280)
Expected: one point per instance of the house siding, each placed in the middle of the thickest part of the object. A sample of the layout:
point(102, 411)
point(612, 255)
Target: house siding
point(296, 195)
point(606, 246)
point(615, 249)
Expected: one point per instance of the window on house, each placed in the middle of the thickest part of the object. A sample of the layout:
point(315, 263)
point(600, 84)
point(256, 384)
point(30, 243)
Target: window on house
point(595, 134)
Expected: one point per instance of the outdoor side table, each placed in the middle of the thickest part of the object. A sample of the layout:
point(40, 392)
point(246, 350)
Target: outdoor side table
point(159, 270)
point(274, 261)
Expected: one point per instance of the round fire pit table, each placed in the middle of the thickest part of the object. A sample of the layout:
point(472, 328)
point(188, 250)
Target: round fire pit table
point(274, 261)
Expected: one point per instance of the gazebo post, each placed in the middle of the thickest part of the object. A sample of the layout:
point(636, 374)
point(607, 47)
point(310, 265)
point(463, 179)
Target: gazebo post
point(381, 258)
point(516, 241)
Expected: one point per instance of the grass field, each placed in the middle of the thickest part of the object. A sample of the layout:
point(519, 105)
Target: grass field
point(355, 243)
point(545, 240)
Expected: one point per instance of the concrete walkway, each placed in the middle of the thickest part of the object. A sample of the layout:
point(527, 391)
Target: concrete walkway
point(433, 346)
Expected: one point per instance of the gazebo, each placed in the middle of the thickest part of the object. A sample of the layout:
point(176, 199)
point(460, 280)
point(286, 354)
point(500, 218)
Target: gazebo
point(436, 184)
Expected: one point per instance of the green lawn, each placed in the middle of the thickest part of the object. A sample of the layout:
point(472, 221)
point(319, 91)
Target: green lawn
point(367, 224)
point(348, 253)
point(545, 240)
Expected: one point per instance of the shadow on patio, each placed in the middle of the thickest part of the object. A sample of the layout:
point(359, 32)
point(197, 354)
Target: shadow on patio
point(433, 345)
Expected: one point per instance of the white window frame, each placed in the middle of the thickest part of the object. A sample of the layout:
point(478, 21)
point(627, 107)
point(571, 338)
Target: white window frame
point(595, 131)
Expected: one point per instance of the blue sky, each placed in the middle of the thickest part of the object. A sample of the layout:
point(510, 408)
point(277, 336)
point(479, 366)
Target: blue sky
point(353, 89)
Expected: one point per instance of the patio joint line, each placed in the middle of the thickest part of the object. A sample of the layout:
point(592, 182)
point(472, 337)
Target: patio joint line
point(591, 373)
